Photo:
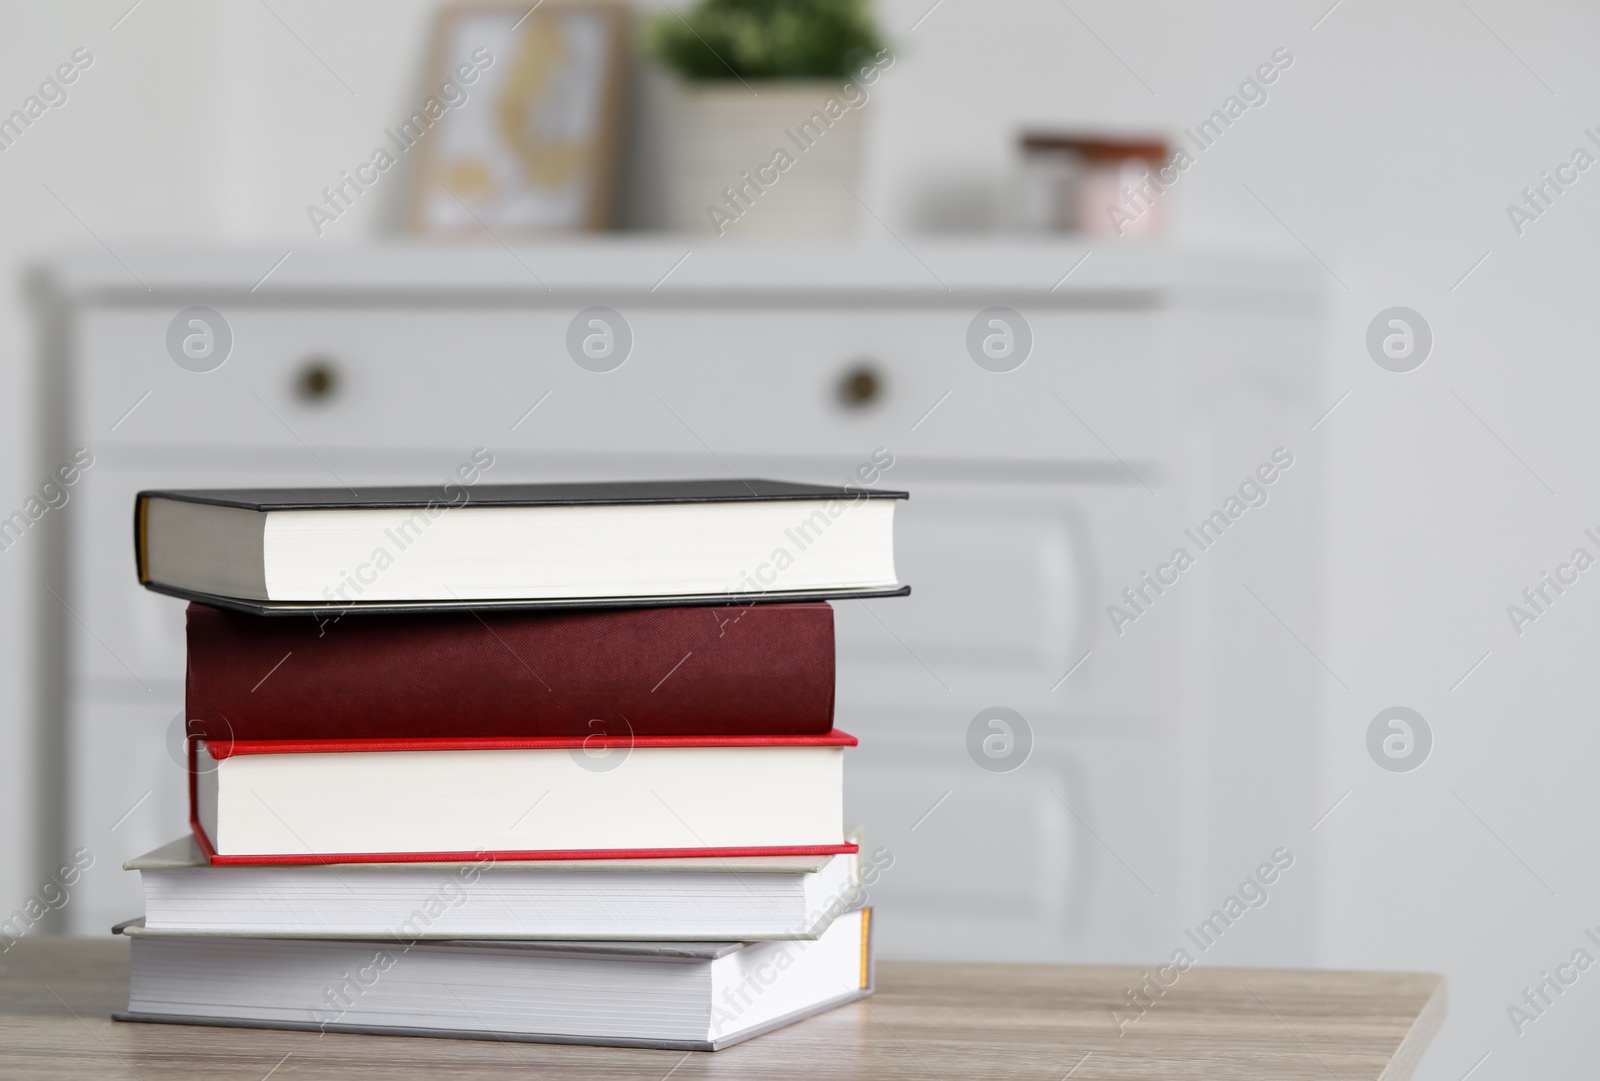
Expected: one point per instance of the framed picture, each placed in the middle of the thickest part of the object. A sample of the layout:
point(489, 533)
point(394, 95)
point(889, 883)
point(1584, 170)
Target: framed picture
point(521, 119)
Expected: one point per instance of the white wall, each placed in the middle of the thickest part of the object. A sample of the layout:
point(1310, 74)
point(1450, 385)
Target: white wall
point(1390, 149)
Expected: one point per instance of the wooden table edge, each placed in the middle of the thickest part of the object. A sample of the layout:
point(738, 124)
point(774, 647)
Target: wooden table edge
point(1419, 1037)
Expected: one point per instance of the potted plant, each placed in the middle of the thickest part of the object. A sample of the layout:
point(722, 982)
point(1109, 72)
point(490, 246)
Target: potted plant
point(765, 136)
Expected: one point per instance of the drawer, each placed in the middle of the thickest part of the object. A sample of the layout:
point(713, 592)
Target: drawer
point(994, 865)
point(735, 380)
point(1009, 585)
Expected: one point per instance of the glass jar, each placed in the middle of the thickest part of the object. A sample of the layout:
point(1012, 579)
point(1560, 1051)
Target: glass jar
point(1094, 185)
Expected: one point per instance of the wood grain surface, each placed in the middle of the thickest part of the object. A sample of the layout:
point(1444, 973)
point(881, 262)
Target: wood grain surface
point(939, 1021)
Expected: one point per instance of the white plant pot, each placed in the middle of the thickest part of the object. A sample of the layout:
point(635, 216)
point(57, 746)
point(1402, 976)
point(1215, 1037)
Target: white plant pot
point(781, 161)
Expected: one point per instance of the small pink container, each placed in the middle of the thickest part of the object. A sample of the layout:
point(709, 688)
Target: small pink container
point(1099, 186)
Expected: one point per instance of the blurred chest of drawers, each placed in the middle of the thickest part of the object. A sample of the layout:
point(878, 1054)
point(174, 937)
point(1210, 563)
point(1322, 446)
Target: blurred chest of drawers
point(1154, 379)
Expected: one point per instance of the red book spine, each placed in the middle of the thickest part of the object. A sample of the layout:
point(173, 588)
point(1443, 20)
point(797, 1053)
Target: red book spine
point(220, 751)
point(759, 670)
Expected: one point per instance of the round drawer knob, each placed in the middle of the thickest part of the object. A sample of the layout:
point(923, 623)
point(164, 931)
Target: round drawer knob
point(861, 385)
point(317, 380)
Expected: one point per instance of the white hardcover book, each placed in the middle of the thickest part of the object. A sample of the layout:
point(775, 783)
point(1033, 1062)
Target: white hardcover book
point(693, 899)
point(288, 801)
point(687, 996)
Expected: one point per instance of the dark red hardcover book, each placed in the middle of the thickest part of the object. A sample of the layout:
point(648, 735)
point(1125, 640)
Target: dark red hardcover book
point(758, 670)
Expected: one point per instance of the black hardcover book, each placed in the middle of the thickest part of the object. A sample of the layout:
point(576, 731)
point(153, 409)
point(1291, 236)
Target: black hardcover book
point(287, 550)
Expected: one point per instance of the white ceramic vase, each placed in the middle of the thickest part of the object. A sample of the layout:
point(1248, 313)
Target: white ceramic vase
point(774, 159)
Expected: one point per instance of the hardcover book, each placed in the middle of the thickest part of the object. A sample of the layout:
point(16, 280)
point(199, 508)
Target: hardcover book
point(685, 996)
point(459, 800)
point(697, 899)
point(522, 545)
point(750, 670)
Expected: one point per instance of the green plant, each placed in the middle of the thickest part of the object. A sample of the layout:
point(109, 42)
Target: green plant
point(766, 39)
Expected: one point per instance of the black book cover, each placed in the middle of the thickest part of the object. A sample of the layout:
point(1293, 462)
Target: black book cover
point(518, 495)
point(595, 493)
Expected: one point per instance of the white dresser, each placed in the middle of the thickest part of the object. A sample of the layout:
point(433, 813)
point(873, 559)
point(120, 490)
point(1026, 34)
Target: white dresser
point(1158, 379)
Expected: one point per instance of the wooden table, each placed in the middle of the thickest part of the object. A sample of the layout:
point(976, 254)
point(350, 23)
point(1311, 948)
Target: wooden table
point(943, 1021)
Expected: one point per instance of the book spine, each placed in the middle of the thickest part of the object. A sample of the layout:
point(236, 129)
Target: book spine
point(759, 670)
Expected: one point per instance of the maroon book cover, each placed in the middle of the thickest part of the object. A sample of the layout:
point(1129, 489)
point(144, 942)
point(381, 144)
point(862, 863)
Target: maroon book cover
point(757, 670)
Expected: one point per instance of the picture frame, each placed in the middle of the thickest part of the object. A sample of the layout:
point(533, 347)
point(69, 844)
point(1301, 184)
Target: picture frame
point(521, 123)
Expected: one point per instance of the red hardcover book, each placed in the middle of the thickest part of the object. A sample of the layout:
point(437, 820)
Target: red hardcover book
point(689, 671)
point(469, 800)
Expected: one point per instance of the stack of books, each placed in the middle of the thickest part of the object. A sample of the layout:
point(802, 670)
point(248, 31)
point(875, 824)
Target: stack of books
point(525, 762)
